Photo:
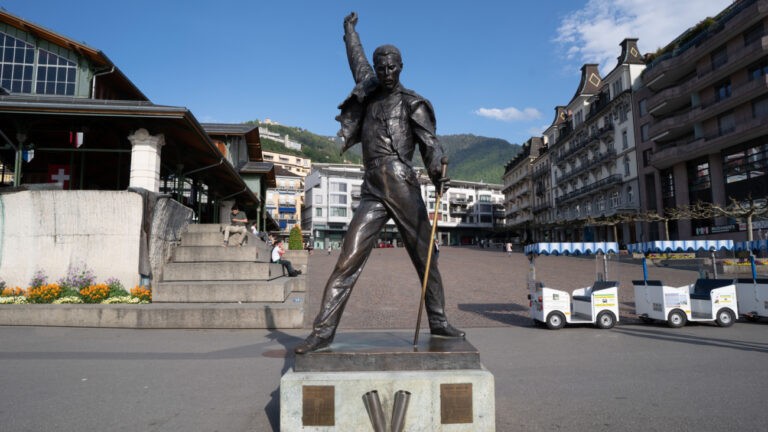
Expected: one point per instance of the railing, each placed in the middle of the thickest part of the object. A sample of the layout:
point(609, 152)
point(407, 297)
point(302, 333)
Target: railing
point(600, 184)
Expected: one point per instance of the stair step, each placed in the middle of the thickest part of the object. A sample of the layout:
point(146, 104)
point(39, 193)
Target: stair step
point(221, 271)
point(217, 254)
point(276, 290)
point(199, 228)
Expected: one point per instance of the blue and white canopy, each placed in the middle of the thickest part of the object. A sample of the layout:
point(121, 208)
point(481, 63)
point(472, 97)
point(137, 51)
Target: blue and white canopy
point(751, 245)
point(681, 246)
point(577, 248)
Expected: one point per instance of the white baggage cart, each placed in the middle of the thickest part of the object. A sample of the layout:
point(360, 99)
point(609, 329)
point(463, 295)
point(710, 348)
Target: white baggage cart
point(703, 300)
point(597, 304)
point(752, 294)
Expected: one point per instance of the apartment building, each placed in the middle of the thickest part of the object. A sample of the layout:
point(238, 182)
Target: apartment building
point(298, 165)
point(703, 121)
point(469, 211)
point(518, 188)
point(285, 201)
point(593, 156)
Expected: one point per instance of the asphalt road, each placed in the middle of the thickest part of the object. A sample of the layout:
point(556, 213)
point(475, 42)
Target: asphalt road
point(635, 377)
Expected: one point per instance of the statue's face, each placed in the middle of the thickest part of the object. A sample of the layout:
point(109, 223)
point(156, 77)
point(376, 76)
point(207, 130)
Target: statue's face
point(388, 69)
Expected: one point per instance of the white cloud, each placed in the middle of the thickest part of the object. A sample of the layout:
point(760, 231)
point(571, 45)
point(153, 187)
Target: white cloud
point(510, 114)
point(592, 34)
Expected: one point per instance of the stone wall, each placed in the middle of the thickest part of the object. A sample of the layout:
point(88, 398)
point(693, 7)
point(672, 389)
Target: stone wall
point(170, 219)
point(51, 230)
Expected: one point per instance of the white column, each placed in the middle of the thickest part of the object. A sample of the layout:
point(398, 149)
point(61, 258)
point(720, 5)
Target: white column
point(145, 160)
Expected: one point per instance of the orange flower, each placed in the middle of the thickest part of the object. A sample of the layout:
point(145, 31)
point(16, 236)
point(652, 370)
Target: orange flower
point(12, 292)
point(95, 293)
point(142, 293)
point(44, 294)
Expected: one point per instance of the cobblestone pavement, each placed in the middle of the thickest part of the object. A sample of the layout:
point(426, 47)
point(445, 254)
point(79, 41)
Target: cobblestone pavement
point(483, 287)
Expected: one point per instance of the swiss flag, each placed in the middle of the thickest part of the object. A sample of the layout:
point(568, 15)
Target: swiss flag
point(61, 174)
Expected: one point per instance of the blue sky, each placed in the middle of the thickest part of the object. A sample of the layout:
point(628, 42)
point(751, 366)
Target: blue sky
point(491, 68)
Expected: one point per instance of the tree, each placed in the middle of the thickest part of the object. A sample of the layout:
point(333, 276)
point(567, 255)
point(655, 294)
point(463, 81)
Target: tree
point(745, 211)
point(295, 241)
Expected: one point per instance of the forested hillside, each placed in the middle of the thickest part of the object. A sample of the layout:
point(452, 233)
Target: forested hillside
point(471, 157)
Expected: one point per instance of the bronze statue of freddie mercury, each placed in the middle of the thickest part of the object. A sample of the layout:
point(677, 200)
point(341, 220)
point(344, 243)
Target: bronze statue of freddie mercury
point(389, 120)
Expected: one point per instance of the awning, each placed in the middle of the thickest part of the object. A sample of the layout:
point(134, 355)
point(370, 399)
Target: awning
point(575, 248)
point(681, 246)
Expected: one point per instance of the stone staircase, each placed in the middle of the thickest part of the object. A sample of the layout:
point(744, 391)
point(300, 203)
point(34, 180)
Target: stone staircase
point(235, 287)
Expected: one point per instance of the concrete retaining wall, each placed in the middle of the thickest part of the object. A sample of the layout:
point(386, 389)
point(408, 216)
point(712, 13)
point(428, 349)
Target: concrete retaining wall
point(50, 230)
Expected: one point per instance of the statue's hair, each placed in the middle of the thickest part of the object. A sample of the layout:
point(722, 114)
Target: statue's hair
point(386, 50)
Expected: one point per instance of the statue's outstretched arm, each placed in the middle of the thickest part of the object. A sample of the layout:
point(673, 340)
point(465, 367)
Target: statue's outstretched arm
point(361, 69)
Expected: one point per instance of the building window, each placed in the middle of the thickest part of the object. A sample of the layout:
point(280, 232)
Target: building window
point(644, 131)
point(615, 199)
point(758, 70)
point(16, 64)
point(55, 74)
point(719, 57)
point(578, 118)
point(630, 198)
point(624, 140)
point(760, 107)
point(627, 168)
point(601, 203)
point(337, 199)
point(698, 175)
point(753, 33)
point(618, 87)
point(338, 187)
point(643, 107)
point(723, 91)
point(339, 211)
point(318, 199)
point(745, 163)
point(647, 157)
point(319, 212)
point(726, 123)
point(667, 180)
point(623, 113)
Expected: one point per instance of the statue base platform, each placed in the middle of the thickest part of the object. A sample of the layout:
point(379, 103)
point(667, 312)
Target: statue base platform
point(390, 352)
point(448, 388)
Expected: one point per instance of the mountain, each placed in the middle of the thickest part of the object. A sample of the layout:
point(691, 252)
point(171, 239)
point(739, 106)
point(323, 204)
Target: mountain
point(471, 157)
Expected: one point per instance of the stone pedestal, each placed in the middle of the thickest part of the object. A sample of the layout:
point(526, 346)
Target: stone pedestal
point(448, 388)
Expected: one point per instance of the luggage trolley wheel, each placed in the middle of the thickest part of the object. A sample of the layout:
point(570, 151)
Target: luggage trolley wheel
point(725, 317)
point(555, 320)
point(676, 318)
point(605, 320)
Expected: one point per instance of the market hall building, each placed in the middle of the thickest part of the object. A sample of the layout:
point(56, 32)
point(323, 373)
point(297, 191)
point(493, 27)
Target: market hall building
point(93, 171)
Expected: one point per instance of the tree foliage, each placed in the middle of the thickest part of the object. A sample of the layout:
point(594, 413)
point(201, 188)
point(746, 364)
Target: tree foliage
point(295, 242)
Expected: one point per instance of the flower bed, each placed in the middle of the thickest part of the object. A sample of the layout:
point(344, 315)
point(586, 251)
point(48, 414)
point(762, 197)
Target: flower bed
point(79, 286)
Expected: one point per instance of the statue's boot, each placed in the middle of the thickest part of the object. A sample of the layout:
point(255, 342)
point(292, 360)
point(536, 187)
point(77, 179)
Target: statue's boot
point(443, 329)
point(312, 343)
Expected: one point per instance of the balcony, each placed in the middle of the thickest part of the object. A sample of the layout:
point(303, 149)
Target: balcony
point(601, 184)
point(456, 211)
point(538, 208)
point(670, 67)
point(682, 151)
point(740, 95)
point(602, 158)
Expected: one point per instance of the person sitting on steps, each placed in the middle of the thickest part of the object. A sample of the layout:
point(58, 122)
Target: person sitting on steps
point(236, 225)
point(277, 257)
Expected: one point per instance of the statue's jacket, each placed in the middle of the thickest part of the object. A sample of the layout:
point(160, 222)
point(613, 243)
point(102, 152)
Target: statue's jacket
point(409, 122)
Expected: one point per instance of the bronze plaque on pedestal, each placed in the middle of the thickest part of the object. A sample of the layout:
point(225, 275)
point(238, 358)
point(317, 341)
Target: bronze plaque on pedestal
point(318, 406)
point(455, 403)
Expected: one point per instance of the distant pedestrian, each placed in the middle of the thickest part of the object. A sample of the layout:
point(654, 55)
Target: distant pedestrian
point(508, 248)
point(329, 248)
point(437, 247)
